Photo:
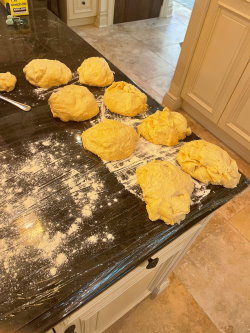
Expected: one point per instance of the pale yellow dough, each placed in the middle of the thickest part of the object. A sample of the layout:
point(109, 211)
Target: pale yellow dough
point(73, 102)
point(111, 140)
point(208, 163)
point(95, 71)
point(166, 190)
point(7, 81)
point(164, 128)
point(47, 73)
point(125, 99)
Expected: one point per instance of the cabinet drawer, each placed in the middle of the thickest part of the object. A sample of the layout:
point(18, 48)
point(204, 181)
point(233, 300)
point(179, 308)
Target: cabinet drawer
point(81, 8)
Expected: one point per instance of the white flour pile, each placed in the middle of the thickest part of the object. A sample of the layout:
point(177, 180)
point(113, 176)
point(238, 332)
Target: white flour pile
point(37, 183)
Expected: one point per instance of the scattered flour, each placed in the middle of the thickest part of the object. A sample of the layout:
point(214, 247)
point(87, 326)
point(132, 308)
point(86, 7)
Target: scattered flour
point(73, 228)
point(60, 259)
point(35, 183)
point(92, 239)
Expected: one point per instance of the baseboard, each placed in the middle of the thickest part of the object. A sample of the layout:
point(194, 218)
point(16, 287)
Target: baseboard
point(81, 21)
point(218, 132)
point(171, 101)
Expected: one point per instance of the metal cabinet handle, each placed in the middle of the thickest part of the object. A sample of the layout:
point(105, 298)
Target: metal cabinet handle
point(152, 263)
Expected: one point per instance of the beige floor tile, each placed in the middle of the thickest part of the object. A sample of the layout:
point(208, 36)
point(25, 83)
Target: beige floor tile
point(169, 53)
point(146, 24)
point(235, 205)
point(173, 311)
point(216, 272)
point(241, 221)
point(161, 83)
point(181, 13)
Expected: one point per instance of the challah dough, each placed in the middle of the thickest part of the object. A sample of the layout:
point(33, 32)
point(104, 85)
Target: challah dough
point(208, 163)
point(73, 102)
point(111, 140)
point(7, 81)
point(164, 128)
point(166, 190)
point(95, 71)
point(125, 99)
point(47, 73)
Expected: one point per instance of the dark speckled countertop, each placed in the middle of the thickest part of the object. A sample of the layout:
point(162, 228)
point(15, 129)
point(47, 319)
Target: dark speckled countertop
point(70, 225)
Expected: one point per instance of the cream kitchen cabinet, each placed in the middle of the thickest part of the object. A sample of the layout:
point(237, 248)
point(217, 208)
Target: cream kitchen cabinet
point(235, 120)
point(144, 280)
point(78, 12)
point(211, 66)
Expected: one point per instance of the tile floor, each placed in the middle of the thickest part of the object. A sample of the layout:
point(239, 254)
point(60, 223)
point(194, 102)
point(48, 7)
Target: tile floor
point(210, 289)
point(147, 51)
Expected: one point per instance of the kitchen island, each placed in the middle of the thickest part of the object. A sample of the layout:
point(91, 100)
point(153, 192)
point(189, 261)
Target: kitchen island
point(75, 235)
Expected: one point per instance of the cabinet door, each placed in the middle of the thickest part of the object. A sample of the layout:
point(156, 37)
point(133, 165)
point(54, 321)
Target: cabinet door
point(220, 57)
point(235, 120)
point(81, 8)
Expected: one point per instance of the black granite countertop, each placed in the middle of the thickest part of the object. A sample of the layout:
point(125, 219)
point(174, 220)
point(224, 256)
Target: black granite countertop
point(70, 225)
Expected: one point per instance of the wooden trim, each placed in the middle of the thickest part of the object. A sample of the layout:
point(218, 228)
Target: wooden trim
point(166, 8)
point(111, 9)
point(173, 102)
point(188, 48)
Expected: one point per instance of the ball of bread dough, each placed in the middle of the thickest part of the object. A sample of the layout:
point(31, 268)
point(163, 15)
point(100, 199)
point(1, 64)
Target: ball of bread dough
point(125, 99)
point(111, 140)
point(164, 128)
point(7, 81)
point(95, 71)
point(73, 102)
point(166, 190)
point(47, 73)
point(208, 163)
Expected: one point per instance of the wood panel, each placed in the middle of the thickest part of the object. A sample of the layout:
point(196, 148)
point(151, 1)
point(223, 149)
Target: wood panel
point(236, 117)
point(130, 10)
point(219, 60)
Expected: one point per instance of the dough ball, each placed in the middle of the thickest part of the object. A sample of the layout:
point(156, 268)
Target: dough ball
point(166, 190)
point(95, 71)
point(111, 140)
point(125, 99)
point(208, 163)
point(164, 128)
point(73, 102)
point(47, 73)
point(7, 81)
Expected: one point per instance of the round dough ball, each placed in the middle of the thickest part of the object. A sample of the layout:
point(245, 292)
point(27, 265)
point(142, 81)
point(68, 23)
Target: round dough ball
point(47, 73)
point(164, 128)
point(7, 81)
point(95, 71)
point(167, 191)
point(125, 99)
point(208, 163)
point(111, 140)
point(73, 102)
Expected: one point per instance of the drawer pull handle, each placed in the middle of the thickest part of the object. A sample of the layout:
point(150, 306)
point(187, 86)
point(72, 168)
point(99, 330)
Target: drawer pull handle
point(83, 2)
point(152, 263)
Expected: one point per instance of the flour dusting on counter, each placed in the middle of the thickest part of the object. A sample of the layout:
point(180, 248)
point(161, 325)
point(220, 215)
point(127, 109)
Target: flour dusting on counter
point(33, 187)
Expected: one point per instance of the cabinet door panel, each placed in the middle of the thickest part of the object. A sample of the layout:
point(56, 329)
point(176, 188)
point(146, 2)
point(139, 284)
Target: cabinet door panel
point(220, 57)
point(236, 117)
point(81, 8)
